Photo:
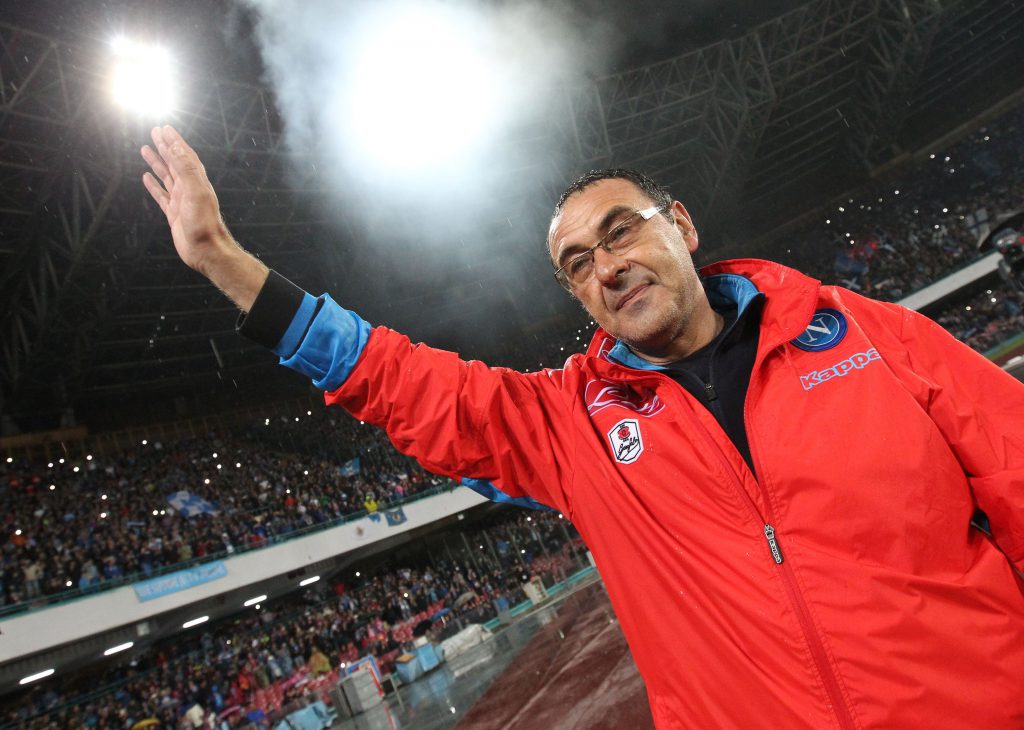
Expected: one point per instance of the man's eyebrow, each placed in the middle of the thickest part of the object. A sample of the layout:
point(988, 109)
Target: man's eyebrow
point(603, 226)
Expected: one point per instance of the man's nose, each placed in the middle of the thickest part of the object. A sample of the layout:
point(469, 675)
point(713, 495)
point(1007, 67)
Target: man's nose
point(608, 266)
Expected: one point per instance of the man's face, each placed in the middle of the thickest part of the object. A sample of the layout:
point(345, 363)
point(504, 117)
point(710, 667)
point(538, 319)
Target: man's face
point(647, 295)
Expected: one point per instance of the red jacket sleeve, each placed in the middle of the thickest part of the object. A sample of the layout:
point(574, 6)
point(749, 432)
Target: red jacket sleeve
point(979, 409)
point(464, 419)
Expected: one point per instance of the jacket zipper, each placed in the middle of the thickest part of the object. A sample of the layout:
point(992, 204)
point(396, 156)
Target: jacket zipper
point(814, 643)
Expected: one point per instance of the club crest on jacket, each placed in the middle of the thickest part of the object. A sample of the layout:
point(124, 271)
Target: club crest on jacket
point(626, 442)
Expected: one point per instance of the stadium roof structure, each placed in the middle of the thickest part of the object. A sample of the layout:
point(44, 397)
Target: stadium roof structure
point(748, 131)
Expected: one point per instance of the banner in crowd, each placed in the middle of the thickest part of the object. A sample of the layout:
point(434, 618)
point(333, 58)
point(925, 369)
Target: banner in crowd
point(190, 505)
point(350, 468)
point(979, 223)
point(180, 580)
point(395, 516)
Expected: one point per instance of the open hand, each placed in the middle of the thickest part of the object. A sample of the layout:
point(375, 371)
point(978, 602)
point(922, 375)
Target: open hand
point(186, 197)
point(181, 188)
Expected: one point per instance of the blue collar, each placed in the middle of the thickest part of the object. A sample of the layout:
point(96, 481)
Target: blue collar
point(724, 292)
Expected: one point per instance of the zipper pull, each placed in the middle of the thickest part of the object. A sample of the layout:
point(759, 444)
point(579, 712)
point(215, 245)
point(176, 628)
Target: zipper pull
point(769, 533)
point(709, 391)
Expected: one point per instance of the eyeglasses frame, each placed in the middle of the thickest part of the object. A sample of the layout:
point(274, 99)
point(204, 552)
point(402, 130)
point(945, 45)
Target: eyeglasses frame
point(645, 213)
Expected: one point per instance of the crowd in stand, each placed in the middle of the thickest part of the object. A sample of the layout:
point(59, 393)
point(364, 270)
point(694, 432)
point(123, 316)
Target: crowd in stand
point(911, 228)
point(81, 525)
point(986, 319)
point(226, 667)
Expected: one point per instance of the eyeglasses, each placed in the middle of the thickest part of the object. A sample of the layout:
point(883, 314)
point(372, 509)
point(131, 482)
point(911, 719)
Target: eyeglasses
point(576, 271)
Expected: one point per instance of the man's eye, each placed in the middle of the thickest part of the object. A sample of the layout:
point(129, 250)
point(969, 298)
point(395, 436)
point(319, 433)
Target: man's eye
point(620, 232)
point(578, 264)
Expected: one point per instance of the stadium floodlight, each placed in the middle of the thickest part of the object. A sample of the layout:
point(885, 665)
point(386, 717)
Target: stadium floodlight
point(119, 647)
point(425, 88)
point(307, 581)
point(143, 79)
point(257, 599)
point(37, 675)
point(195, 622)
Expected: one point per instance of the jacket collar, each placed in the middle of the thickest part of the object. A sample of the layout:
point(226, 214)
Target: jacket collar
point(790, 298)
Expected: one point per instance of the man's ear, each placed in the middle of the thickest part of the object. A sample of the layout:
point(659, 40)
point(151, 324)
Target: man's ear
point(684, 223)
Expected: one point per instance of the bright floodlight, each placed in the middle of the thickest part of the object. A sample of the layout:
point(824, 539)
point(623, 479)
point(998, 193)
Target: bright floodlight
point(308, 581)
point(424, 89)
point(195, 622)
point(143, 78)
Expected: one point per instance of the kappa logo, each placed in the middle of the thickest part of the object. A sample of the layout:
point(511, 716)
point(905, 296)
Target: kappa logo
point(840, 369)
point(601, 394)
point(826, 330)
point(626, 441)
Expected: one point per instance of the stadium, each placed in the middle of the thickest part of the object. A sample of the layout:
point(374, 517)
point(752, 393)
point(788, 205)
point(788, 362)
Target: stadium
point(192, 539)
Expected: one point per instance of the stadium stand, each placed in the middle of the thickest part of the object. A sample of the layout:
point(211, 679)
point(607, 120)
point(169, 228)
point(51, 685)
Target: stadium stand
point(253, 664)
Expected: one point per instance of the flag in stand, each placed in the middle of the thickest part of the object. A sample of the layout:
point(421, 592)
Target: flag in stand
point(395, 516)
point(979, 223)
point(350, 468)
point(190, 505)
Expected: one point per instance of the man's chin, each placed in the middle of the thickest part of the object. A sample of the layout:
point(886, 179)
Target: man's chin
point(646, 343)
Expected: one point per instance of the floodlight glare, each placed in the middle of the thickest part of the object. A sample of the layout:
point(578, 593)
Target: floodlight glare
point(308, 581)
point(143, 78)
point(425, 88)
point(195, 622)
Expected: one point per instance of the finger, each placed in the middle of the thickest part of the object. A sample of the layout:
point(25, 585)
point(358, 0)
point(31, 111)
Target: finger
point(163, 152)
point(157, 164)
point(180, 158)
point(157, 191)
point(171, 135)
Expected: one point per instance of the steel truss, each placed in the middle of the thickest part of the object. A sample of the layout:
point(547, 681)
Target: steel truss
point(82, 269)
point(821, 91)
point(94, 299)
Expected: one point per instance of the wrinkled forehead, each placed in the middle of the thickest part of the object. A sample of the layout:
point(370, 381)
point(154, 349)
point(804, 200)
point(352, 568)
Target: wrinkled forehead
point(584, 215)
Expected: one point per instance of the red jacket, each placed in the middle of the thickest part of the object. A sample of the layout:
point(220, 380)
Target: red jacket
point(844, 587)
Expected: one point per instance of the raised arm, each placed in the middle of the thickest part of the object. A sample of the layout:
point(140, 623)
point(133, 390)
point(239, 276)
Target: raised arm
point(181, 188)
point(457, 418)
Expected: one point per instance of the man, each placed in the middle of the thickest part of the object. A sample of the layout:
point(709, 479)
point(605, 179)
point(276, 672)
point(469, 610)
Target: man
point(776, 478)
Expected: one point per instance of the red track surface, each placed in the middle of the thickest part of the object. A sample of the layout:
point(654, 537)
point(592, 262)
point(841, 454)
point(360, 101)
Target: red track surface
point(575, 674)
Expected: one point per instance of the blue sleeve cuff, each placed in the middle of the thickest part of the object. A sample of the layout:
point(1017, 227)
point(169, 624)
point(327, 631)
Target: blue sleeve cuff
point(292, 337)
point(491, 492)
point(323, 342)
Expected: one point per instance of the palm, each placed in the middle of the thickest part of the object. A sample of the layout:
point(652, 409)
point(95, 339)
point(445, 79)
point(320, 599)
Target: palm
point(185, 196)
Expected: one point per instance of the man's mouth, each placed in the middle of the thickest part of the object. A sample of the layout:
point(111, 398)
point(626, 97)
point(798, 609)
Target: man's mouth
point(632, 294)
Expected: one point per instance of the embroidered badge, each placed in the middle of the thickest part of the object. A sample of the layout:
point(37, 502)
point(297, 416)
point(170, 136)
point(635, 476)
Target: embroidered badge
point(826, 330)
point(626, 441)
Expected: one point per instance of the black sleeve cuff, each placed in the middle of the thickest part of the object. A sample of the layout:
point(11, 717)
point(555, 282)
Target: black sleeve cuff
point(272, 312)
